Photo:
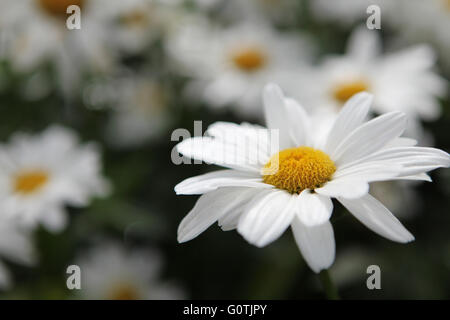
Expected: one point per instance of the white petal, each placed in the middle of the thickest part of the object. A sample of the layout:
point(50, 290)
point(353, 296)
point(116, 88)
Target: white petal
point(370, 171)
point(208, 209)
point(299, 122)
point(221, 178)
point(245, 135)
point(214, 151)
point(375, 216)
point(267, 218)
point(351, 116)
point(348, 188)
point(364, 44)
point(370, 137)
point(55, 219)
point(276, 114)
point(315, 243)
point(230, 220)
point(312, 208)
point(413, 160)
point(401, 142)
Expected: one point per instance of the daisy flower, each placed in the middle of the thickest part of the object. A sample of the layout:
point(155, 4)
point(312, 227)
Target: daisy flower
point(230, 66)
point(110, 272)
point(15, 246)
point(41, 174)
point(294, 184)
point(402, 80)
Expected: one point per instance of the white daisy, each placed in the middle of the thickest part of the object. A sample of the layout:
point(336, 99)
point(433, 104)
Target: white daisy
point(110, 272)
point(15, 246)
point(41, 174)
point(403, 80)
point(262, 203)
point(231, 66)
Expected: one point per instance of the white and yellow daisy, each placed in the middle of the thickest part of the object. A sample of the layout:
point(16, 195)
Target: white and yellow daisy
point(230, 66)
point(110, 272)
point(261, 203)
point(40, 174)
point(15, 246)
point(402, 80)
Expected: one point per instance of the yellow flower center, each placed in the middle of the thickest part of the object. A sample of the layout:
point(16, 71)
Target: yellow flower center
point(299, 169)
point(249, 59)
point(344, 91)
point(124, 292)
point(29, 182)
point(58, 8)
point(447, 4)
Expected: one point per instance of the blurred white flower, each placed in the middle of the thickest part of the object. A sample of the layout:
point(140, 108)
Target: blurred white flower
point(15, 246)
point(35, 32)
point(424, 21)
point(139, 108)
point(110, 272)
point(136, 23)
point(40, 174)
point(261, 203)
point(230, 66)
point(402, 80)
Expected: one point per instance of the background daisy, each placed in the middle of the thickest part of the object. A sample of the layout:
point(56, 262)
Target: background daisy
point(230, 66)
point(110, 272)
point(41, 174)
point(403, 80)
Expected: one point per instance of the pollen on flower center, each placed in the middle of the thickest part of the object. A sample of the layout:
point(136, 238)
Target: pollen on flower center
point(58, 8)
point(249, 59)
point(299, 169)
point(29, 182)
point(345, 90)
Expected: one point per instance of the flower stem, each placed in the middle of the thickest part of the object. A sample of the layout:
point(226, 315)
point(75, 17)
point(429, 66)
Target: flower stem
point(328, 285)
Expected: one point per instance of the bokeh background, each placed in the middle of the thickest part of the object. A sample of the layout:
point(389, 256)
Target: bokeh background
point(118, 82)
